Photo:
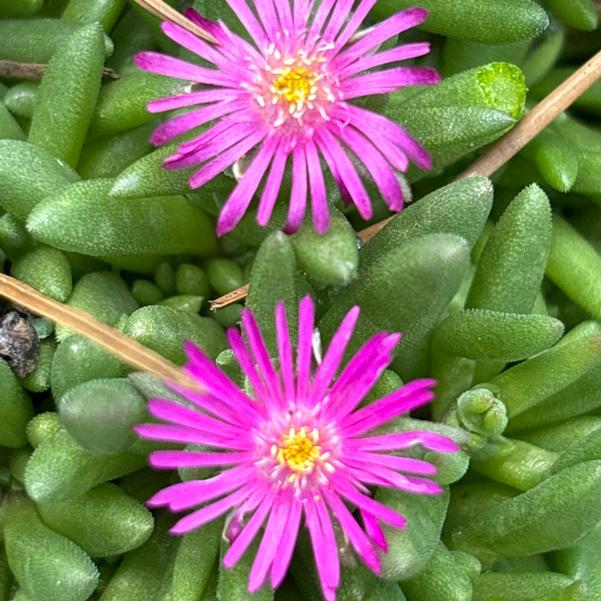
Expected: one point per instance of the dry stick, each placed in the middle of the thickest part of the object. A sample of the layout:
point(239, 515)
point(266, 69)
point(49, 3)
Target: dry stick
point(167, 13)
point(124, 347)
point(34, 71)
point(507, 147)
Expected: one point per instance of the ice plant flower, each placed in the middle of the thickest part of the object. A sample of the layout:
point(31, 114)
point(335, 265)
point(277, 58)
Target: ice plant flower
point(298, 448)
point(288, 95)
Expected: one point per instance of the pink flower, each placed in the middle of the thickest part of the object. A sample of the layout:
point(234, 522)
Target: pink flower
point(298, 449)
point(288, 97)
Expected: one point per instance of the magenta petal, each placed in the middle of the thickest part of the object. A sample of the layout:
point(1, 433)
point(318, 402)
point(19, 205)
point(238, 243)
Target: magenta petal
point(406, 440)
point(389, 80)
point(272, 186)
point(239, 200)
point(269, 545)
point(385, 30)
point(374, 530)
point(338, 162)
point(319, 194)
point(400, 53)
point(339, 15)
point(306, 317)
point(286, 545)
point(353, 24)
point(192, 459)
point(284, 350)
point(321, 14)
point(356, 536)
point(370, 156)
point(209, 513)
point(207, 172)
point(261, 354)
point(248, 19)
point(246, 537)
point(298, 194)
point(333, 357)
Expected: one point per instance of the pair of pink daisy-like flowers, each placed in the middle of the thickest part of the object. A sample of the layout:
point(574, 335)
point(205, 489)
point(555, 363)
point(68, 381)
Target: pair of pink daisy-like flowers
point(298, 448)
point(290, 97)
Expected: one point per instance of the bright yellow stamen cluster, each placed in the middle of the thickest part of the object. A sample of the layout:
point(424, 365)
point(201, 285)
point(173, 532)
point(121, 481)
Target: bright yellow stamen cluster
point(296, 85)
point(299, 450)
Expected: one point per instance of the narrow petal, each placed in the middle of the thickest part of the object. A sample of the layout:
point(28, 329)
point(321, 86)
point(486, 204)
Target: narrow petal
point(360, 374)
point(286, 19)
point(338, 162)
point(170, 129)
point(302, 11)
point(331, 362)
point(212, 488)
point(405, 440)
point(284, 350)
point(354, 533)
point(162, 64)
point(321, 14)
point(199, 47)
point(212, 378)
point(326, 557)
point(298, 194)
point(269, 545)
point(191, 99)
point(376, 164)
point(184, 491)
point(389, 80)
point(306, 319)
point(219, 129)
point(248, 19)
point(239, 200)
point(341, 11)
point(248, 367)
point(374, 530)
point(364, 459)
point(379, 510)
point(227, 159)
point(319, 194)
point(384, 477)
point(268, 18)
point(192, 459)
point(184, 435)
point(408, 397)
point(224, 410)
point(356, 20)
point(261, 355)
point(400, 53)
point(285, 547)
point(385, 30)
point(176, 413)
point(272, 186)
point(248, 534)
point(367, 122)
point(212, 148)
point(209, 513)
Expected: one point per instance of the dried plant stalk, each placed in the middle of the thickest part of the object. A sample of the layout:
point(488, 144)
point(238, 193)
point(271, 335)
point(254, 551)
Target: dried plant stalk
point(167, 13)
point(34, 71)
point(506, 148)
point(124, 347)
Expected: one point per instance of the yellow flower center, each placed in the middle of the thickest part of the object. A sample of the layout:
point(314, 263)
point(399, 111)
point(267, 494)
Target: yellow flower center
point(299, 450)
point(296, 85)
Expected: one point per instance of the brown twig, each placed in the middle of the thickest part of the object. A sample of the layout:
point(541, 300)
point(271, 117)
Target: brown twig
point(34, 71)
point(127, 349)
point(506, 148)
point(167, 13)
